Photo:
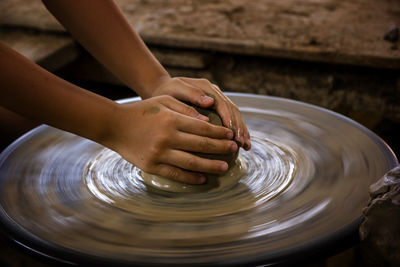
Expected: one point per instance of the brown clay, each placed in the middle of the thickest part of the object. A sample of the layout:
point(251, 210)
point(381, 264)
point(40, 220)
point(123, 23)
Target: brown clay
point(215, 119)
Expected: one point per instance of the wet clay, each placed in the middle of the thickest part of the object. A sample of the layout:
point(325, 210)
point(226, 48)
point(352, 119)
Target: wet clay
point(213, 181)
point(215, 119)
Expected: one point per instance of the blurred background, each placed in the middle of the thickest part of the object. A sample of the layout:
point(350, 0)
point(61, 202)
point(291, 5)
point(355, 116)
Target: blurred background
point(340, 55)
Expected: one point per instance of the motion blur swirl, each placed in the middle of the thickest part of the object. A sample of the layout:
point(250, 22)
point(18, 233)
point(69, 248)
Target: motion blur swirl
point(305, 179)
point(115, 181)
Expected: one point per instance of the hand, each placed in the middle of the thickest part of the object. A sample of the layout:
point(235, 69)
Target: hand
point(202, 93)
point(157, 135)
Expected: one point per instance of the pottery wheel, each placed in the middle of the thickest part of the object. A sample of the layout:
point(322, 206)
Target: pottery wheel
point(303, 184)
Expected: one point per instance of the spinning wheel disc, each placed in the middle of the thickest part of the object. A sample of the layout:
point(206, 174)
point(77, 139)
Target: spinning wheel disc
point(302, 185)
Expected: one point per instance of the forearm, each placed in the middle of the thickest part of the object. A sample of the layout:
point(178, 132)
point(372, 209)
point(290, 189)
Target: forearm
point(103, 30)
point(33, 92)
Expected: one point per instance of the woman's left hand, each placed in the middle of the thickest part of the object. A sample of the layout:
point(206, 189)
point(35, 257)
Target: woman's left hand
point(203, 93)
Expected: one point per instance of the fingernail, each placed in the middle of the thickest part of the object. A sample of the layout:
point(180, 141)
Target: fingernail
point(248, 143)
point(238, 142)
point(224, 167)
point(246, 146)
point(234, 147)
point(202, 117)
point(202, 179)
point(206, 99)
point(229, 135)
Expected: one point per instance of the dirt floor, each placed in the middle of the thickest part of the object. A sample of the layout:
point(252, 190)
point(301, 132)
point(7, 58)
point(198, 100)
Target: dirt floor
point(318, 30)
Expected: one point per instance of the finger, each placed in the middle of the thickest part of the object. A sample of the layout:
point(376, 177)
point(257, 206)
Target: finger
point(210, 90)
point(202, 128)
point(229, 113)
point(190, 162)
point(182, 108)
point(245, 135)
point(195, 143)
point(239, 126)
point(177, 174)
point(247, 145)
point(221, 104)
point(192, 93)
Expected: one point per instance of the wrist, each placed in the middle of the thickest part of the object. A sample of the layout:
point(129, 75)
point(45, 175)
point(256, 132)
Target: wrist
point(150, 89)
point(110, 125)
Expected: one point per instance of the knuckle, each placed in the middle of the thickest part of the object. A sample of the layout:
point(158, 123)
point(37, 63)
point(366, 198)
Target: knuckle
point(164, 98)
point(190, 163)
point(216, 87)
point(168, 119)
point(204, 83)
point(220, 131)
point(235, 107)
point(161, 138)
point(168, 97)
point(177, 81)
point(205, 127)
point(156, 143)
point(203, 144)
point(172, 173)
point(190, 110)
point(154, 153)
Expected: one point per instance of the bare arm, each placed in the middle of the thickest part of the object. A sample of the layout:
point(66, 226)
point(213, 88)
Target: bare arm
point(33, 92)
point(104, 31)
point(153, 134)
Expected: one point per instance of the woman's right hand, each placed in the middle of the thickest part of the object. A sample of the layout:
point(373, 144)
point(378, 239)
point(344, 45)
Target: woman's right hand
point(157, 135)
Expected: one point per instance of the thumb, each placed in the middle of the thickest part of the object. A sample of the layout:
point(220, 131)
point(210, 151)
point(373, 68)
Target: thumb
point(184, 109)
point(193, 94)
